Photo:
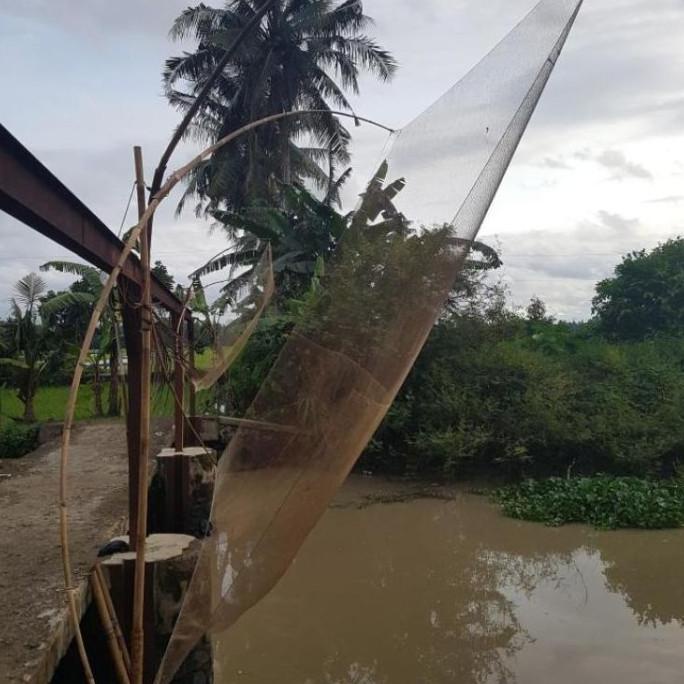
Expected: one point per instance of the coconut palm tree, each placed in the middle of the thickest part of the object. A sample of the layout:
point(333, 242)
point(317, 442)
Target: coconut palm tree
point(306, 54)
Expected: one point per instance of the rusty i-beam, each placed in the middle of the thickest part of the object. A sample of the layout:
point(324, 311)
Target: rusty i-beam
point(32, 194)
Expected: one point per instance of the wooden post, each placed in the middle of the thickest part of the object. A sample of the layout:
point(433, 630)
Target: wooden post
point(191, 439)
point(178, 383)
point(132, 324)
point(137, 629)
point(183, 489)
point(171, 559)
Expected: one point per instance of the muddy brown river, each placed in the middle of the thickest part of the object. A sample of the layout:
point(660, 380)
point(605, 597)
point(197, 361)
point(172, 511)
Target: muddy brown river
point(399, 585)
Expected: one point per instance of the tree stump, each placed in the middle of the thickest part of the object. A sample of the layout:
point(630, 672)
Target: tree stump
point(181, 491)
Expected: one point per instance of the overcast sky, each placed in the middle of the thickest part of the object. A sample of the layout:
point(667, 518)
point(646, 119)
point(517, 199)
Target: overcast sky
point(600, 170)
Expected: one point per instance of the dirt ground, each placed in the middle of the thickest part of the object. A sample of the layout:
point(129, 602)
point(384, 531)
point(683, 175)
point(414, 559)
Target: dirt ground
point(33, 628)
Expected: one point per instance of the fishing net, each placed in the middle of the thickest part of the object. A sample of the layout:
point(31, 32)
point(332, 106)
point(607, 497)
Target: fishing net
point(231, 308)
point(359, 336)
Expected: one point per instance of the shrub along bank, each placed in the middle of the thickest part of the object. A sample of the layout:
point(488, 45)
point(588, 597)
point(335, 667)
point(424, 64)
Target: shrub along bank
point(512, 399)
point(17, 439)
point(517, 400)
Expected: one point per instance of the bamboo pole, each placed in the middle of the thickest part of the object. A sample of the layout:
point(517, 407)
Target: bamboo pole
point(110, 631)
point(115, 620)
point(137, 629)
point(98, 310)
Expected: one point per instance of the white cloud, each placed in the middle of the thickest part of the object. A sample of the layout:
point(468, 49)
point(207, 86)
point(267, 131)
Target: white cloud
point(84, 87)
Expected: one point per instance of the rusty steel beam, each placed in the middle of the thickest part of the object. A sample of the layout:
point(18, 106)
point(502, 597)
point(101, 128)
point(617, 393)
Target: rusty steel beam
point(34, 195)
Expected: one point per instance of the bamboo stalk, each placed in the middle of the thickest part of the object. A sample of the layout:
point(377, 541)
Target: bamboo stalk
point(98, 310)
point(107, 623)
point(73, 611)
point(115, 620)
point(137, 629)
point(247, 424)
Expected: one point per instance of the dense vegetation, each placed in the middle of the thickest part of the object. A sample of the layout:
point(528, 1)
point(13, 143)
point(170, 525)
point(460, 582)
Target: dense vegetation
point(519, 398)
point(603, 501)
point(513, 395)
point(16, 439)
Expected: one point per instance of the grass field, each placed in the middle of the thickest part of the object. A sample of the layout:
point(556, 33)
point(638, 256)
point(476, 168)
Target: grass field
point(50, 403)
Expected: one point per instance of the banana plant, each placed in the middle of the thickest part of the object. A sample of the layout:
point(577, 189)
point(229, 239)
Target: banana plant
point(301, 230)
point(27, 338)
point(106, 350)
point(304, 232)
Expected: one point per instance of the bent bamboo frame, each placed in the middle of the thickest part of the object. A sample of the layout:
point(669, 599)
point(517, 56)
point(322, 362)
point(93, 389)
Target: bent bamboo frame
point(135, 233)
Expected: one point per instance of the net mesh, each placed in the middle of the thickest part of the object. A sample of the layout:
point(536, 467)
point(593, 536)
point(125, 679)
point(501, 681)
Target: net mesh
point(338, 373)
point(231, 308)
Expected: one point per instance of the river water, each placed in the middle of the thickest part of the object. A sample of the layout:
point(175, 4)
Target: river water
point(403, 584)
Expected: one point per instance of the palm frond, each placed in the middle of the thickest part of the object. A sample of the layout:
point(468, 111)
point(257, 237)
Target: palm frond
point(13, 363)
point(29, 289)
point(364, 51)
point(232, 290)
point(64, 300)
point(335, 187)
point(198, 21)
point(91, 275)
point(226, 260)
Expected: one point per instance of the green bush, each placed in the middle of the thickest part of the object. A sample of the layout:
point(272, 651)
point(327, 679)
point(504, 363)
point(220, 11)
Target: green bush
point(603, 501)
point(519, 400)
point(236, 390)
point(511, 399)
point(16, 440)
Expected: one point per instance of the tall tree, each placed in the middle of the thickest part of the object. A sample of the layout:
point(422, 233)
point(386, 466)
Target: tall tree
point(306, 54)
point(646, 294)
point(162, 274)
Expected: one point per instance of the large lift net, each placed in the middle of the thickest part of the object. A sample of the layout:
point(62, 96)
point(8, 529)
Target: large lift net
point(339, 371)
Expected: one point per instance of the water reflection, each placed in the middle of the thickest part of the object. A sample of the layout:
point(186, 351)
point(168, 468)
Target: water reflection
point(437, 590)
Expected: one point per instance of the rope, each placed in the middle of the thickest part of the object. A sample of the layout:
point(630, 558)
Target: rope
point(128, 206)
